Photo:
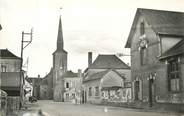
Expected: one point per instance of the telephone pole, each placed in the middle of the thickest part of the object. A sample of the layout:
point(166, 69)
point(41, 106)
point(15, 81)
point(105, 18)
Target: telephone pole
point(24, 44)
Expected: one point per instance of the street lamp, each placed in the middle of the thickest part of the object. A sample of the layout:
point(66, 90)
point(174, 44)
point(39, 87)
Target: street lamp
point(151, 79)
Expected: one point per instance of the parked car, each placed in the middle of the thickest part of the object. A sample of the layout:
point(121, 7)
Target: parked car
point(32, 99)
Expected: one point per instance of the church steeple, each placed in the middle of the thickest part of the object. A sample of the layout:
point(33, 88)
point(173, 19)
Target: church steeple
point(60, 42)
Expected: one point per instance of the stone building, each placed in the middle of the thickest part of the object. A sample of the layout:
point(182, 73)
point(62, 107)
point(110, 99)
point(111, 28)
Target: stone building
point(11, 79)
point(156, 43)
point(105, 79)
point(53, 85)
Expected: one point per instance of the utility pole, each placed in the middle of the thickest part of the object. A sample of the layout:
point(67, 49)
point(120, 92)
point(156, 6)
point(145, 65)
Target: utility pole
point(24, 44)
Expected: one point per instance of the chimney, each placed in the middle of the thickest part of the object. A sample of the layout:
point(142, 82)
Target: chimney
point(79, 73)
point(89, 58)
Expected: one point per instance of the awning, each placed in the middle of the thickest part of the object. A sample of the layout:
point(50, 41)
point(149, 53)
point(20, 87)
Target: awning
point(10, 80)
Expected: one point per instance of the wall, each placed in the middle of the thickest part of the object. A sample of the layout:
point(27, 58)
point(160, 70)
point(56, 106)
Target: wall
point(74, 88)
point(43, 92)
point(152, 66)
point(12, 65)
point(93, 98)
point(59, 68)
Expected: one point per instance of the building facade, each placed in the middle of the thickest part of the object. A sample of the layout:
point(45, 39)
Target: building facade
point(72, 86)
point(105, 78)
point(60, 84)
point(11, 78)
point(35, 83)
point(153, 34)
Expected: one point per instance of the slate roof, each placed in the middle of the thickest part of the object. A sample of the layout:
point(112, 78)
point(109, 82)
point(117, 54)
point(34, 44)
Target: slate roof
point(95, 76)
point(162, 22)
point(108, 62)
point(60, 51)
point(10, 79)
point(176, 50)
point(6, 54)
point(100, 75)
point(69, 74)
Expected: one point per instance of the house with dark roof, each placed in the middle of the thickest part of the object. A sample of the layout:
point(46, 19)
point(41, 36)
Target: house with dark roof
point(11, 79)
point(105, 79)
point(156, 43)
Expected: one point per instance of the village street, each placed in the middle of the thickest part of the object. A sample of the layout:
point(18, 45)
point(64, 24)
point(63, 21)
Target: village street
point(68, 109)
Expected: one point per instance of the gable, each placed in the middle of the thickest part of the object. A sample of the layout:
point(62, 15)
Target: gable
point(149, 33)
point(162, 22)
point(112, 79)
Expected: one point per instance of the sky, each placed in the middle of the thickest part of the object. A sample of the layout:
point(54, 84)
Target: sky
point(98, 26)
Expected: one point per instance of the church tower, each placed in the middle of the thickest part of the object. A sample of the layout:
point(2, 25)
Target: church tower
point(59, 65)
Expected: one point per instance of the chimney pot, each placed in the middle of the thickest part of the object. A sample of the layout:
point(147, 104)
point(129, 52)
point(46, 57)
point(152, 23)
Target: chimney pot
point(89, 58)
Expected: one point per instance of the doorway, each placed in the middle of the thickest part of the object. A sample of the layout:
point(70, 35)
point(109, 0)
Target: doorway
point(151, 92)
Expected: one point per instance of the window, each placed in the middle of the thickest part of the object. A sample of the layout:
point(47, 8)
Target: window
point(173, 76)
point(67, 85)
point(3, 68)
point(142, 30)
point(90, 92)
point(97, 92)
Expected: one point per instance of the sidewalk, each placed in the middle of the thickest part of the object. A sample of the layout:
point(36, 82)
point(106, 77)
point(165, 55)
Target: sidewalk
point(143, 109)
point(28, 107)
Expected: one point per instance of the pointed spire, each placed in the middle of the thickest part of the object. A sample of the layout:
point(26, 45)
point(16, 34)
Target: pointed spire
point(60, 44)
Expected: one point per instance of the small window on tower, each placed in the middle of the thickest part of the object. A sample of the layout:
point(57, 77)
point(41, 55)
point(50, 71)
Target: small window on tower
point(67, 85)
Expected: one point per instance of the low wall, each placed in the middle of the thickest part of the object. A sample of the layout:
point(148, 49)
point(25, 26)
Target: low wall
point(13, 104)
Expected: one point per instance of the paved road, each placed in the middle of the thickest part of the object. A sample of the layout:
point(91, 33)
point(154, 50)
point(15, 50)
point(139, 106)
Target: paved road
point(68, 109)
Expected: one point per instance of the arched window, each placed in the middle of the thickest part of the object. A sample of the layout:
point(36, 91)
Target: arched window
point(142, 29)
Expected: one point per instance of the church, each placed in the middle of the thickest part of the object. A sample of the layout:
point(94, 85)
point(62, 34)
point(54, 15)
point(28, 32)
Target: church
point(55, 84)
